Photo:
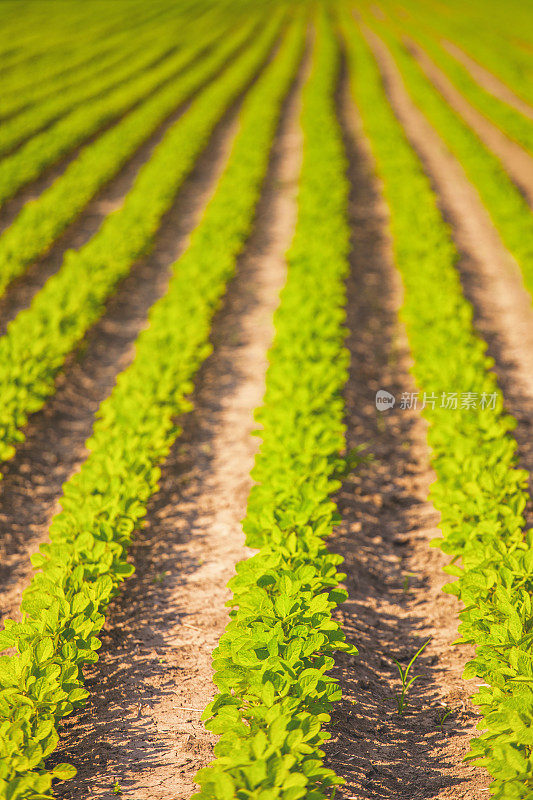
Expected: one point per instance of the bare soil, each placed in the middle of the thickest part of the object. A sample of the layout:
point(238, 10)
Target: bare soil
point(516, 161)
point(394, 578)
point(142, 726)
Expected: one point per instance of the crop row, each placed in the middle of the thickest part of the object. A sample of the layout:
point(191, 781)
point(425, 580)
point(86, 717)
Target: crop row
point(103, 503)
point(479, 491)
point(503, 200)
point(510, 121)
point(66, 70)
point(47, 216)
point(498, 54)
point(511, 24)
point(48, 34)
point(22, 42)
point(105, 75)
point(47, 147)
point(39, 339)
point(272, 661)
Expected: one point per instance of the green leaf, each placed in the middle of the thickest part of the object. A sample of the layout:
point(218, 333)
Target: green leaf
point(64, 772)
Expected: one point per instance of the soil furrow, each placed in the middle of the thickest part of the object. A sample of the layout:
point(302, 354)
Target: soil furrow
point(55, 436)
point(516, 161)
point(491, 278)
point(142, 725)
point(394, 579)
point(488, 81)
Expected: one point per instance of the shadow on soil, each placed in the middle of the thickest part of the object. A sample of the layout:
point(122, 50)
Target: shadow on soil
point(104, 739)
point(55, 436)
point(379, 753)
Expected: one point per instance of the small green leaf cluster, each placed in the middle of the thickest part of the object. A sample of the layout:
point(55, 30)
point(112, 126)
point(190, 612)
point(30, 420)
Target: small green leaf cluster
point(39, 339)
point(479, 491)
point(86, 558)
point(272, 662)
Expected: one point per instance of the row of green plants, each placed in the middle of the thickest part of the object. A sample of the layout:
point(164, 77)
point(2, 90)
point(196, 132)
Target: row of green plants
point(40, 338)
point(42, 220)
point(481, 39)
point(106, 74)
point(510, 121)
point(480, 492)
point(85, 561)
point(45, 148)
point(65, 70)
point(271, 665)
point(39, 36)
point(510, 23)
point(507, 207)
point(44, 33)
point(21, 42)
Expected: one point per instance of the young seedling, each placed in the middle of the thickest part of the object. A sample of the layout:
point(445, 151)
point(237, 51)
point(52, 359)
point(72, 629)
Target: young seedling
point(159, 577)
point(406, 581)
point(407, 682)
point(442, 715)
point(353, 459)
point(117, 789)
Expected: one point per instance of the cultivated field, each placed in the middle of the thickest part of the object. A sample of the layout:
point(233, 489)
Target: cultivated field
point(266, 399)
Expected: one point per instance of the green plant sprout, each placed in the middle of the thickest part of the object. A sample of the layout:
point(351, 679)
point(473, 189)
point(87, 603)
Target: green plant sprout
point(353, 459)
point(442, 715)
point(406, 581)
point(401, 699)
point(117, 789)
